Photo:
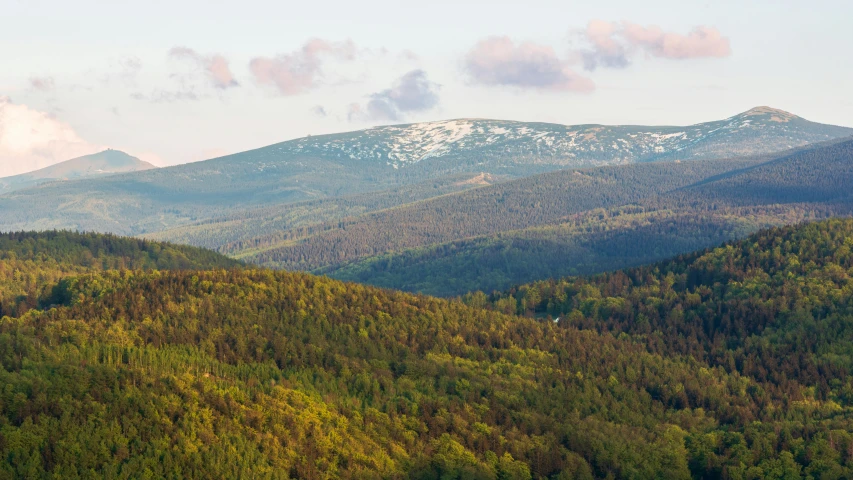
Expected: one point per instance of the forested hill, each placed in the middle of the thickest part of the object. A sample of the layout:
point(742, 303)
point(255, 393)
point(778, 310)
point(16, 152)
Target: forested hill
point(777, 306)
point(731, 363)
point(31, 262)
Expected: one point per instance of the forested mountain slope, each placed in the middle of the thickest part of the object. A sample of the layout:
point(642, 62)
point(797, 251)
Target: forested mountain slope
point(777, 306)
point(534, 201)
point(284, 375)
point(245, 225)
point(384, 158)
point(31, 262)
point(818, 175)
point(630, 224)
point(598, 240)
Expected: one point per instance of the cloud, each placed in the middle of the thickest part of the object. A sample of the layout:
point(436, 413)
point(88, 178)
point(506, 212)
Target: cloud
point(355, 112)
point(413, 92)
point(612, 44)
point(408, 55)
point(701, 42)
point(31, 139)
point(606, 50)
point(498, 61)
point(404, 55)
point(190, 87)
point(44, 84)
point(123, 69)
point(299, 71)
point(214, 66)
point(168, 96)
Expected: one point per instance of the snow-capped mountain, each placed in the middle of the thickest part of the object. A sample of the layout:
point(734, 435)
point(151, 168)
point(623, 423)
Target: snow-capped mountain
point(759, 130)
point(383, 158)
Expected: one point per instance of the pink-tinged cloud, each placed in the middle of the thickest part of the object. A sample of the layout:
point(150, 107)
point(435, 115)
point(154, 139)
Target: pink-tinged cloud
point(701, 42)
point(214, 66)
point(302, 70)
point(499, 61)
point(44, 84)
point(606, 49)
point(612, 44)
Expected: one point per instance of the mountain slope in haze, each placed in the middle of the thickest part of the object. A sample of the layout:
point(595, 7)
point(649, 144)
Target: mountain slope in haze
point(383, 158)
point(570, 222)
point(733, 363)
point(534, 201)
point(104, 163)
point(246, 225)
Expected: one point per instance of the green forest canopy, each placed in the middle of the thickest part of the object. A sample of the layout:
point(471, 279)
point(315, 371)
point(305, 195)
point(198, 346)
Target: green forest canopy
point(730, 363)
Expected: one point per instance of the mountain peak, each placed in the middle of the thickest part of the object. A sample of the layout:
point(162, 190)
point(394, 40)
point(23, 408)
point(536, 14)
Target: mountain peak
point(102, 163)
point(772, 114)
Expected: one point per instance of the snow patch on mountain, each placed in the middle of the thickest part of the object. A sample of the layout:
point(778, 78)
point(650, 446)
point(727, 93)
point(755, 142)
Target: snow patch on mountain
point(398, 146)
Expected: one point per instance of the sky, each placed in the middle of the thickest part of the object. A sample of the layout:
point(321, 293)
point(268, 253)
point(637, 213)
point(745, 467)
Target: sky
point(186, 80)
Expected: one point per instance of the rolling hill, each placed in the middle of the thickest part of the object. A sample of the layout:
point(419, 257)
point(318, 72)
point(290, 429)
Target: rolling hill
point(32, 263)
point(98, 164)
point(379, 159)
point(775, 306)
point(728, 363)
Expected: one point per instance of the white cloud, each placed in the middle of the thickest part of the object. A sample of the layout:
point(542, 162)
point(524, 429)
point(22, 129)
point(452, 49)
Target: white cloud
point(31, 139)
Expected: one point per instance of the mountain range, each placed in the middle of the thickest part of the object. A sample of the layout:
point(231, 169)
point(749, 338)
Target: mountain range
point(509, 144)
point(98, 164)
point(572, 221)
point(381, 159)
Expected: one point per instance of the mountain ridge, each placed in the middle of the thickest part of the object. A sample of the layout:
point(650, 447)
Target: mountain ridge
point(381, 159)
point(420, 141)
